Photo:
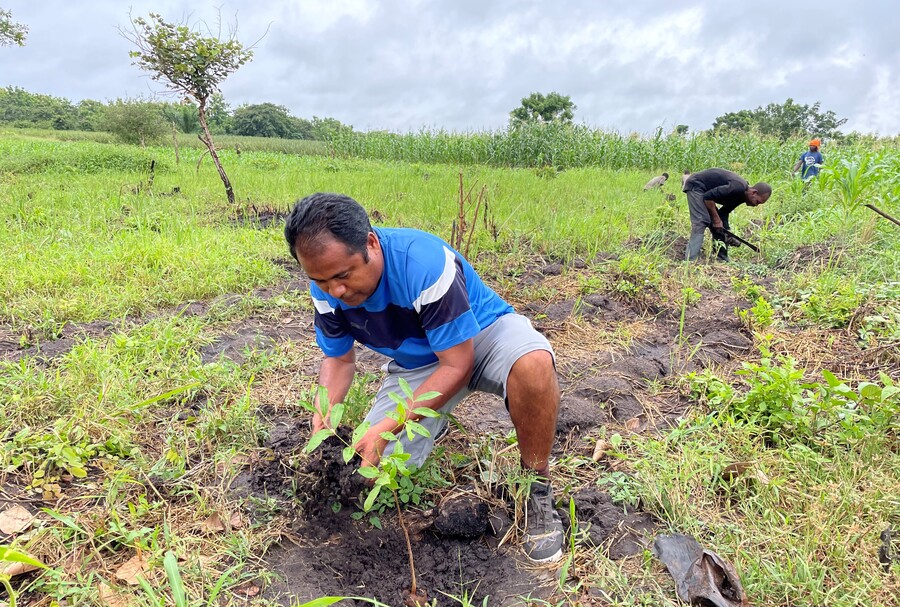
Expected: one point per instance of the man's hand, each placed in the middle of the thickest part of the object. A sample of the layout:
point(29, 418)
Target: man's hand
point(731, 241)
point(371, 445)
point(718, 233)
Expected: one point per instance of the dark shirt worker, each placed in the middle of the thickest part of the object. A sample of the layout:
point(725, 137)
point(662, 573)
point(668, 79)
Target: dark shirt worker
point(712, 195)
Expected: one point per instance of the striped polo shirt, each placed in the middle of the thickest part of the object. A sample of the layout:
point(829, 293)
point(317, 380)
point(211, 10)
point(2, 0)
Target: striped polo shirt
point(429, 299)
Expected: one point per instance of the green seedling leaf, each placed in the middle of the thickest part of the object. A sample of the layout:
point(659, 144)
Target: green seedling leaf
point(869, 390)
point(388, 436)
point(889, 391)
point(830, 378)
point(375, 521)
point(336, 415)
point(348, 454)
point(427, 396)
point(418, 429)
point(404, 386)
point(336, 507)
point(359, 432)
point(324, 601)
point(77, 471)
point(170, 564)
point(368, 471)
point(373, 495)
point(398, 400)
point(317, 439)
point(426, 412)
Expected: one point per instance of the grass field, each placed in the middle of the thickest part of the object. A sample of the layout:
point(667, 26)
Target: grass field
point(122, 434)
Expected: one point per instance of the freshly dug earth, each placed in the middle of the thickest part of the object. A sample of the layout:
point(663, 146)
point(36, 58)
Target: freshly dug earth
point(334, 554)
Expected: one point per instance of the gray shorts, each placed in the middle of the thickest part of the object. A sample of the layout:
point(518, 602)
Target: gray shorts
point(497, 348)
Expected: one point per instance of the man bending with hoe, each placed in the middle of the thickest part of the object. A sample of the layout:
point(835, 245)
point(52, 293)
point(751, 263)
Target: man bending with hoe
point(408, 295)
point(707, 189)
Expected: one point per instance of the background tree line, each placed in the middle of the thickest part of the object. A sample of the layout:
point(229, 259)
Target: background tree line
point(143, 120)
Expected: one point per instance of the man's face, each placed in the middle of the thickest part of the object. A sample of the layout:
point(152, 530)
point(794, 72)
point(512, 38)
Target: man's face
point(345, 276)
point(755, 198)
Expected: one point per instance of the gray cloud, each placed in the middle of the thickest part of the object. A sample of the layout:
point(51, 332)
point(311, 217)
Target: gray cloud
point(404, 64)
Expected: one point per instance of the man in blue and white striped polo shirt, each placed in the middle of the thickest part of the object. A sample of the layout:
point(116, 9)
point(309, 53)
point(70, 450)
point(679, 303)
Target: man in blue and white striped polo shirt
point(409, 295)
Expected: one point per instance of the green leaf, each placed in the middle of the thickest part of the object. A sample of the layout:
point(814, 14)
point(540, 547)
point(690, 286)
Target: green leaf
point(348, 454)
point(404, 386)
point(373, 495)
point(317, 439)
point(830, 378)
point(869, 390)
point(388, 436)
point(336, 415)
point(77, 471)
point(889, 391)
point(11, 555)
point(170, 563)
point(359, 432)
point(375, 521)
point(368, 471)
point(426, 412)
point(418, 429)
point(323, 601)
point(427, 396)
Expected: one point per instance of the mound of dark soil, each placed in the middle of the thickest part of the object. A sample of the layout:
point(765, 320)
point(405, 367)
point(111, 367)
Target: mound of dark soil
point(624, 531)
point(340, 556)
point(333, 481)
point(463, 516)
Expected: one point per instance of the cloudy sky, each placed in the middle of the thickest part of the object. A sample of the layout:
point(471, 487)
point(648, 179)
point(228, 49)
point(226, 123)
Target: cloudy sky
point(464, 64)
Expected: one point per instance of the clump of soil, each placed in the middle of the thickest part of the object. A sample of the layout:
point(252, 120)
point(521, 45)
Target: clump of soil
point(624, 530)
point(333, 481)
point(463, 516)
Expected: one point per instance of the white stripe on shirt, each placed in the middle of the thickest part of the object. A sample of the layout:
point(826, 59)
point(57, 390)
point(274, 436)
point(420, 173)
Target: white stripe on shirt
point(322, 306)
point(439, 288)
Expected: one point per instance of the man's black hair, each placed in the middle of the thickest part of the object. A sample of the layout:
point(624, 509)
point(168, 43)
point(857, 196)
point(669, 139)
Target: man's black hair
point(763, 188)
point(321, 215)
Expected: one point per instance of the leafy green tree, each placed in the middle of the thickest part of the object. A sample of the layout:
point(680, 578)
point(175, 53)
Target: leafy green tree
point(10, 31)
point(91, 115)
point(541, 108)
point(190, 64)
point(218, 114)
point(783, 120)
point(136, 121)
point(326, 129)
point(20, 108)
point(269, 120)
point(681, 130)
point(184, 116)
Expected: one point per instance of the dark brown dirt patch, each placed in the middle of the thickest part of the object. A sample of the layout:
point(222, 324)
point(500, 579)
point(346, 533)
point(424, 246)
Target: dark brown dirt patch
point(620, 530)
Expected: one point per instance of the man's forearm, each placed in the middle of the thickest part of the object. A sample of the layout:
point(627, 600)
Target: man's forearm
point(713, 212)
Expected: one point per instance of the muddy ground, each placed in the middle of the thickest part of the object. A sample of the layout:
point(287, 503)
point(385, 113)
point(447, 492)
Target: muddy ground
point(613, 357)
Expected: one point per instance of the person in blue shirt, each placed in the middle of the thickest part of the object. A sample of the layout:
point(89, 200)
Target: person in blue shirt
point(809, 162)
point(410, 296)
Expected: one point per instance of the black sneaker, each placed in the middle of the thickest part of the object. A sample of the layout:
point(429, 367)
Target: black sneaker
point(445, 429)
point(543, 540)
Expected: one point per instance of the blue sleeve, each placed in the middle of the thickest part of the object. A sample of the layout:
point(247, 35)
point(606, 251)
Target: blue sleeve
point(332, 333)
point(438, 290)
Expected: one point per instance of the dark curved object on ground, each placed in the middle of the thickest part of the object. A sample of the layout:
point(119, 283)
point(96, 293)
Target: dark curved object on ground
point(701, 577)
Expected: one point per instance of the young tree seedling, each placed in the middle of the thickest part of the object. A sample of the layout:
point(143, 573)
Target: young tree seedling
point(390, 468)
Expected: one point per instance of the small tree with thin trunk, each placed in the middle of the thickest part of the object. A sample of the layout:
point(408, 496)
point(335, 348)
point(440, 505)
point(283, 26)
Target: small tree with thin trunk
point(190, 64)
